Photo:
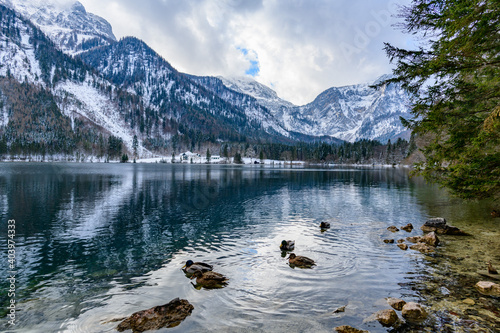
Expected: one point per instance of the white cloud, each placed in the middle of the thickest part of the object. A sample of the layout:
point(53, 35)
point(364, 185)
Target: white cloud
point(303, 47)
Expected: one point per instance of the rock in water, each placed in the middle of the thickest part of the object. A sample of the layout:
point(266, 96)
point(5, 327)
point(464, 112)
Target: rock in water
point(422, 247)
point(403, 246)
point(387, 317)
point(396, 303)
point(414, 239)
point(413, 312)
point(341, 309)
point(439, 225)
point(167, 315)
point(348, 329)
point(430, 239)
point(408, 227)
point(488, 288)
point(393, 228)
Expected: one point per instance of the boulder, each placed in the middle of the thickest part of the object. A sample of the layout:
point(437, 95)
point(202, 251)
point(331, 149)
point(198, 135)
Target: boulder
point(348, 329)
point(430, 239)
point(422, 247)
point(413, 312)
point(408, 227)
point(393, 228)
point(167, 315)
point(439, 226)
point(387, 317)
point(396, 303)
point(403, 246)
point(488, 288)
point(414, 239)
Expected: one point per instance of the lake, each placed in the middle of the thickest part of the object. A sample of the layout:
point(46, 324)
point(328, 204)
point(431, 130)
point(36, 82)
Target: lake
point(96, 242)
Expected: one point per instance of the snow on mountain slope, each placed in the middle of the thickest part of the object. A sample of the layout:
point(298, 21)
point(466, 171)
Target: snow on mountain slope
point(18, 58)
point(69, 26)
point(252, 97)
point(349, 113)
point(85, 101)
point(263, 93)
point(20, 51)
point(133, 65)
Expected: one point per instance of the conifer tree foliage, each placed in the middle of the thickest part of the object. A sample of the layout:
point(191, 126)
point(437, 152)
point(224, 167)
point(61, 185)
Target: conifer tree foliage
point(455, 83)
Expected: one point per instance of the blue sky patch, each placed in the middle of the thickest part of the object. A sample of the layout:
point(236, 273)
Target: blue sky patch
point(252, 57)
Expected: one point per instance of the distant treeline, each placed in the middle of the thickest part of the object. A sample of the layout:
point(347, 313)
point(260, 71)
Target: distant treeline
point(363, 151)
point(113, 148)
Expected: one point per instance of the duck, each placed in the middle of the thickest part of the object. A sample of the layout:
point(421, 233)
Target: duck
point(287, 245)
point(209, 279)
point(324, 225)
point(191, 267)
point(300, 261)
point(491, 269)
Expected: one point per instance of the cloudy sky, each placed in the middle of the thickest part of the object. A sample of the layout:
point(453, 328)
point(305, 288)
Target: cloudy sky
point(297, 47)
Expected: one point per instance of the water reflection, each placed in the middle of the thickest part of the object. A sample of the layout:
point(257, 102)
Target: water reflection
point(101, 241)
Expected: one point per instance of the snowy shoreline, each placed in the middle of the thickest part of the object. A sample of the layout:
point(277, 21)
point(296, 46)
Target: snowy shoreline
point(247, 161)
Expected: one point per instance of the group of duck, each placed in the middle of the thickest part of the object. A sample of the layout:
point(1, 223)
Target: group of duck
point(207, 278)
point(204, 275)
point(295, 260)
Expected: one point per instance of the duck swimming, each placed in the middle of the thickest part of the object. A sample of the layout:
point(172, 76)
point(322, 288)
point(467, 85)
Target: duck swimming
point(191, 267)
point(324, 225)
point(300, 261)
point(209, 280)
point(287, 245)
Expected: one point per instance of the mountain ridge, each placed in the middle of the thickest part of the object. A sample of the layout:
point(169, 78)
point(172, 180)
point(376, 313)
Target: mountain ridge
point(72, 28)
point(125, 89)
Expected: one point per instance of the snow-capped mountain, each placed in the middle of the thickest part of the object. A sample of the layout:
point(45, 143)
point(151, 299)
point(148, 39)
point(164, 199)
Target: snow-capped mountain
point(265, 95)
point(69, 26)
point(349, 113)
point(76, 99)
point(193, 101)
point(124, 89)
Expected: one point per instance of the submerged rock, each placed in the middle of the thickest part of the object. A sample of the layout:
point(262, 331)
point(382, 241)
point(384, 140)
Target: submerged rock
point(422, 247)
point(348, 329)
point(393, 228)
point(387, 317)
point(403, 246)
point(167, 315)
point(414, 239)
point(413, 312)
point(396, 303)
point(488, 288)
point(439, 225)
point(408, 227)
point(340, 309)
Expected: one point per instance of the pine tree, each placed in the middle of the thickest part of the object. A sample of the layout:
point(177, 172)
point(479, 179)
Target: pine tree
point(454, 81)
point(135, 145)
point(237, 158)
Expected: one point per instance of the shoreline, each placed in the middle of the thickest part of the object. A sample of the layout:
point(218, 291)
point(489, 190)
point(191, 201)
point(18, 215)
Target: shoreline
point(246, 162)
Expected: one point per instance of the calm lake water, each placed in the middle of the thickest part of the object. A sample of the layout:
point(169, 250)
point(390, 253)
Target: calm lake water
point(96, 242)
